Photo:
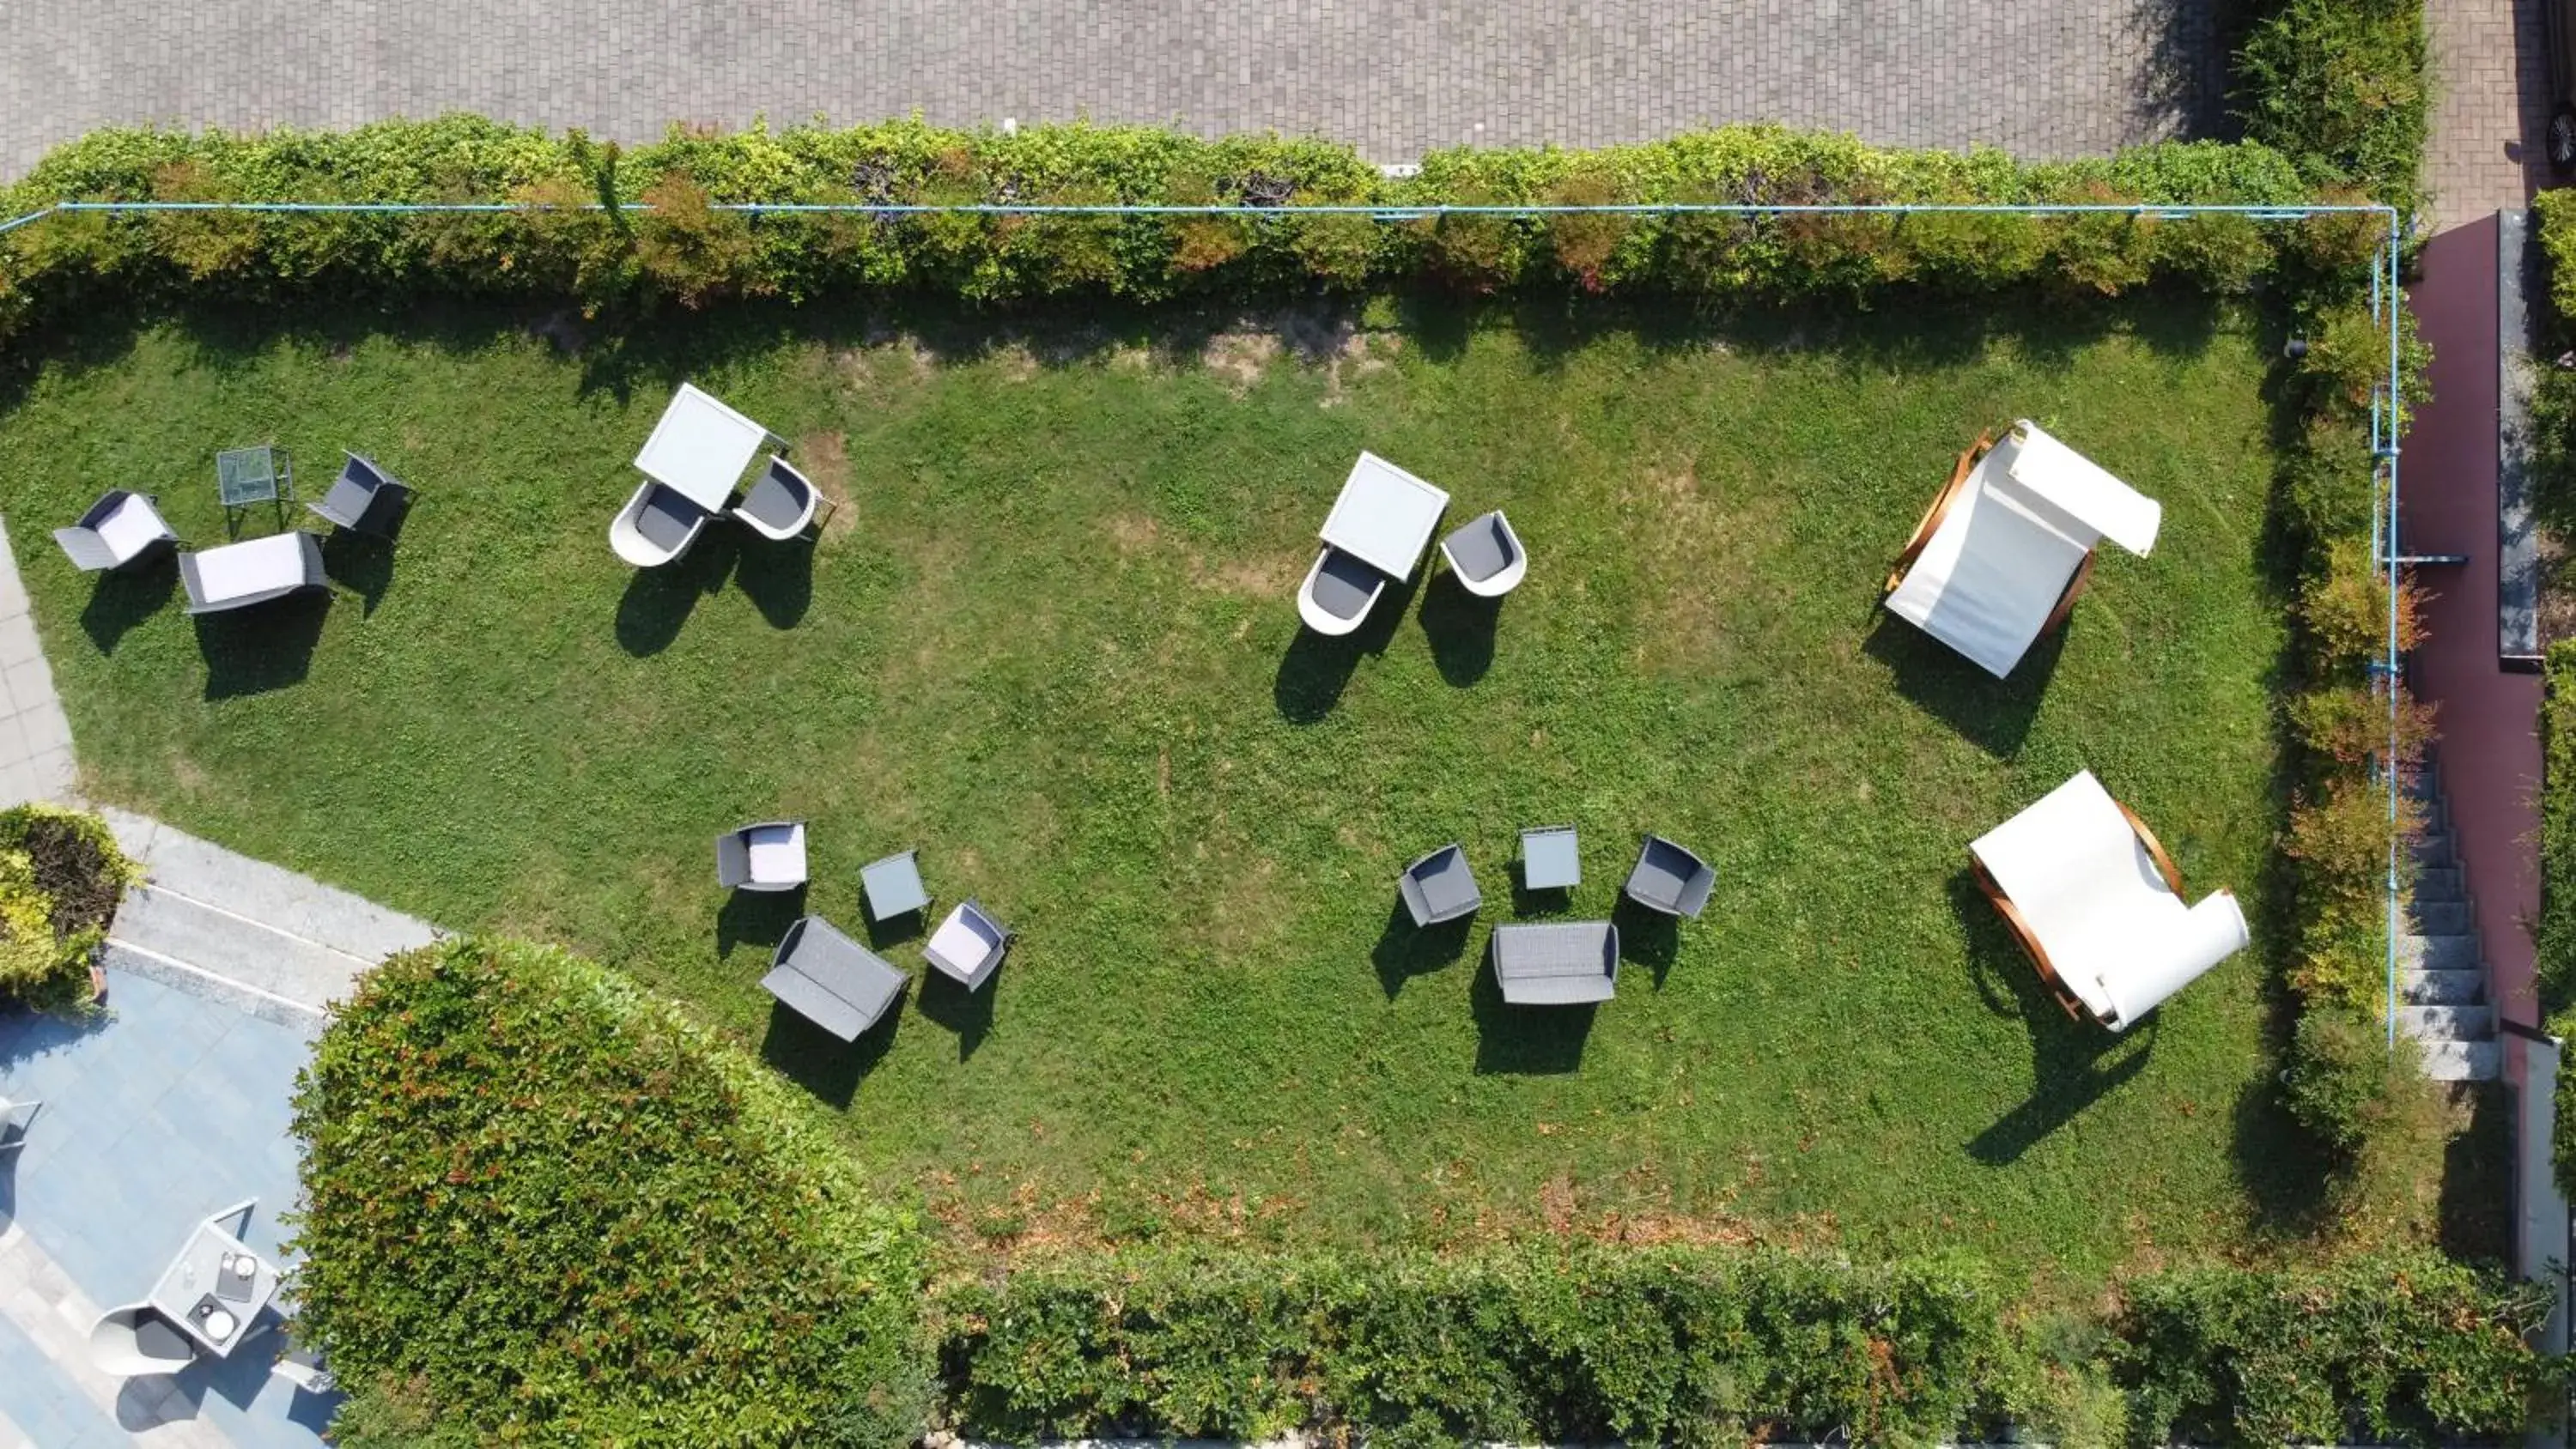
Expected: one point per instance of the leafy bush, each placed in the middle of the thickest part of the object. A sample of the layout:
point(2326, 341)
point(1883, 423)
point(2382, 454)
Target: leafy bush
point(2554, 934)
point(2344, 88)
point(61, 876)
point(666, 240)
point(2343, 1081)
point(2410, 1348)
point(540, 1207)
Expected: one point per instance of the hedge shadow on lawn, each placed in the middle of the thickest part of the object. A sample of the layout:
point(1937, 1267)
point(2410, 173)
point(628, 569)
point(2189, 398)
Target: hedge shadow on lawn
point(2073, 1063)
point(264, 647)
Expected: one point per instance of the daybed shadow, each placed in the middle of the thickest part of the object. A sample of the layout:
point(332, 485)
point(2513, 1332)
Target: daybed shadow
point(1530, 1041)
point(362, 563)
point(1461, 629)
point(1405, 950)
point(119, 602)
point(967, 1013)
point(822, 1063)
point(2073, 1063)
point(779, 577)
point(658, 600)
point(1316, 669)
point(264, 647)
point(1993, 714)
point(757, 917)
point(1647, 937)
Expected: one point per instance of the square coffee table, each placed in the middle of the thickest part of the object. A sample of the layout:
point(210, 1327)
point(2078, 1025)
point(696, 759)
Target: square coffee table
point(244, 476)
point(893, 886)
point(1550, 859)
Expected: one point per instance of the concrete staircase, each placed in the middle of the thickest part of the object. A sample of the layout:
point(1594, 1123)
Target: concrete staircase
point(265, 940)
point(2441, 973)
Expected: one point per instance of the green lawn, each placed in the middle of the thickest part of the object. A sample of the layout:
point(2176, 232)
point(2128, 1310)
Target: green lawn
point(1052, 641)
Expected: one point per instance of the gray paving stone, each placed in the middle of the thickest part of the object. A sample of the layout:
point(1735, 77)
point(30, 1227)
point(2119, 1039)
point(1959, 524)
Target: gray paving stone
point(2068, 77)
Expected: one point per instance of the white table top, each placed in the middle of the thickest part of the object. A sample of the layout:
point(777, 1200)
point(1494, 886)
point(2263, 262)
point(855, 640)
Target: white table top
point(1384, 517)
point(191, 1276)
point(700, 448)
point(252, 566)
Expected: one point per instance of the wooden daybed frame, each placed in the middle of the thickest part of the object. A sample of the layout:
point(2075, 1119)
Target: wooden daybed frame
point(1940, 510)
point(2048, 977)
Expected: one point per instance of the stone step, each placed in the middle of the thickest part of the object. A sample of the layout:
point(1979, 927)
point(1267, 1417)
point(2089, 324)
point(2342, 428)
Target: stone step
point(2435, 850)
point(2463, 1061)
point(2441, 988)
point(2439, 883)
point(2440, 918)
point(294, 905)
point(218, 943)
point(120, 956)
point(2437, 953)
point(2447, 1023)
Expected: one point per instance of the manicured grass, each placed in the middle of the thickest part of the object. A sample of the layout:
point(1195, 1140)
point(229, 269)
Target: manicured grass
point(1052, 641)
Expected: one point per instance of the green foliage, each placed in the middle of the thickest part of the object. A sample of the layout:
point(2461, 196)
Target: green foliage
point(61, 876)
point(2409, 1348)
point(2342, 1078)
point(1547, 1343)
point(664, 239)
point(2554, 934)
point(540, 1206)
point(2344, 88)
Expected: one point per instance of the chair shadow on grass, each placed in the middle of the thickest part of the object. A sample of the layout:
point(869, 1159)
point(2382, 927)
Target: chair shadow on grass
point(1647, 937)
point(264, 647)
point(1405, 950)
point(658, 601)
point(822, 1063)
point(2074, 1063)
point(361, 563)
point(779, 578)
point(1525, 1041)
point(1993, 714)
point(1316, 669)
point(1460, 628)
point(119, 602)
point(967, 1013)
point(757, 918)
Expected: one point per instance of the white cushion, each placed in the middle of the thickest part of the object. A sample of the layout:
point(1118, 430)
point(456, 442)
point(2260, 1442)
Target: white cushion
point(132, 528)
point(253, 566)
point(2114, 932)
point(777, 854)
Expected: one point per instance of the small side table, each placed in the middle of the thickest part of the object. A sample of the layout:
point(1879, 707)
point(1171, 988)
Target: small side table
point(893, 887)
point(244, 476)
point(1550, 858)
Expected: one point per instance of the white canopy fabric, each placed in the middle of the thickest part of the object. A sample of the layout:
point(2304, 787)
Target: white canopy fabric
point(2113, 930)
point(2002, 555)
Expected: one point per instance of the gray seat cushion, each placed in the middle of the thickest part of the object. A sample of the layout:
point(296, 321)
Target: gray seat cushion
point(1344, 585)
point(1480, 549)
point(774, 501)
point(666, 520)
point(155, 1338)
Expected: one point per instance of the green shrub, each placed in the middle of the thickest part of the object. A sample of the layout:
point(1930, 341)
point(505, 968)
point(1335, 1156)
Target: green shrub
point(2554, 934)
point(2342, 1078)
point(61, 877)
point(2344, 88)
point(541, 1207)
point(2409, 1348)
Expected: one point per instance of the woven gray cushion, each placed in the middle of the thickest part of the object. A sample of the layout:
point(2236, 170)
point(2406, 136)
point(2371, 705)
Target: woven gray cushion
point(155, 1338)
point(1479, 550)
point(666, 520)
point(774, 501)
point(1344, 585)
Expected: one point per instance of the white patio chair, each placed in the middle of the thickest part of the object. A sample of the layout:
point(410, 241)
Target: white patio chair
point(120, 530)
point(2098, 904)
point(1338, 593)
point(656, 526)
point(968, 945)
point(781, 505)
point(765, 857)
point(1486, 556)
point(134, 1340)
point(2001, 555)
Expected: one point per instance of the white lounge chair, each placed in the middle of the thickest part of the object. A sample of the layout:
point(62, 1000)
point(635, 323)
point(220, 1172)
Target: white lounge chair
point(968, 945)
point(254, 571)
point(2002, 553)
point(2098, 904)
point(120, 530)
point(1486, 556)
point(135, 1340)
point(1338, 593)
point(781, 505)
point(764, 857)
point(656, 526)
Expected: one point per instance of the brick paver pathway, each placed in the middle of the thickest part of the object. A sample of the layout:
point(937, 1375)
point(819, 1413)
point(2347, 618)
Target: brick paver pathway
point(2492, 77)
point(1395, 77)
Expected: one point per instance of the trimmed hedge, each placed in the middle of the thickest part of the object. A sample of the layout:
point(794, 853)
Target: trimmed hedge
point(2345, 89)
point(540, 1207)
point(61, 877)
point(1699, 1346)
point(682, 251)
point(2554, 934)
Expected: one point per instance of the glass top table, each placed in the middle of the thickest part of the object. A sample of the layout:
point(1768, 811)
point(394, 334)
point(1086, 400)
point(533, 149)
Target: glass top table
point(244, 476)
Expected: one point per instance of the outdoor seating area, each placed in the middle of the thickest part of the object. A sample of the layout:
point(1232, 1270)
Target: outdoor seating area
point(693, 465)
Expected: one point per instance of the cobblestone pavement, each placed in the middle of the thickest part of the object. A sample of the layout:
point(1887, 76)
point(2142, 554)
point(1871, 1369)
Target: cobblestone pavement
point(2491, 75)
point(1395, 77)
